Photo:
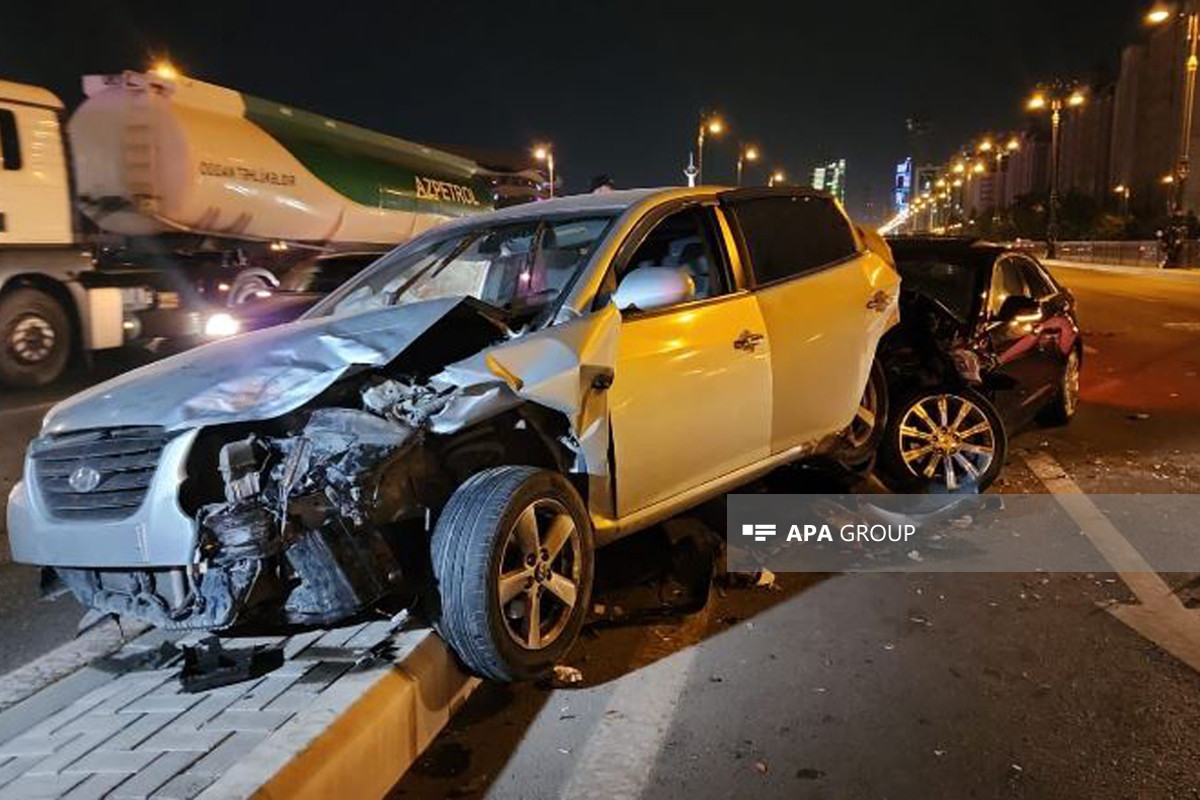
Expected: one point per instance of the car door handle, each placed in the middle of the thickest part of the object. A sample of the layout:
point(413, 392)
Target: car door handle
point(879, 301)
point(748, 341)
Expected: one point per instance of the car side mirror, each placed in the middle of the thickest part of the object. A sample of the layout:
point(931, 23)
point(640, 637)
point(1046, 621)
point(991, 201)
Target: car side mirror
point(648, 288)
point(1019, 308)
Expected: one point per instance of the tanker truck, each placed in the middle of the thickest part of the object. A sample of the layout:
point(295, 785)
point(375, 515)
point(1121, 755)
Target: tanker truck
point(164, 196)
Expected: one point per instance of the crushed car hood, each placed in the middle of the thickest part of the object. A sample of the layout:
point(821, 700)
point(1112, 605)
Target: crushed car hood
point(259, 375)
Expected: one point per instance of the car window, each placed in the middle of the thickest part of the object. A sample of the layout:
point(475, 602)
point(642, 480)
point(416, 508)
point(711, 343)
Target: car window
point(789, 236)
point(685, 240)
point(951, 285)
point(520, 267)
point(1039, 284)
point(1008, 280)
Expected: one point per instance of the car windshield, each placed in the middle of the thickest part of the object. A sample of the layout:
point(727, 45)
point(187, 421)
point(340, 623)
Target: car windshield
point(950, 285)
point(520, 267)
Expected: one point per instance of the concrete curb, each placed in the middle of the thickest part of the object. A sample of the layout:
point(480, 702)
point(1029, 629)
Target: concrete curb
point(1184, 275)
point(363, 736)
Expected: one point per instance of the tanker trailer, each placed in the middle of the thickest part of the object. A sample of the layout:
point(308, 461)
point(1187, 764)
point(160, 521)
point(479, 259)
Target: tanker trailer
point(190, 194)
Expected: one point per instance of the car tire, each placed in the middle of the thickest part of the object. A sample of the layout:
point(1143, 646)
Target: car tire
point(860, 441)
point(490, 572)
point(35, 338)
point(1062, 408)
point(975, 444)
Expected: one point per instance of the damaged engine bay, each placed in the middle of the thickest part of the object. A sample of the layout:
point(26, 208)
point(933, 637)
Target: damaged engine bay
point(324, 514)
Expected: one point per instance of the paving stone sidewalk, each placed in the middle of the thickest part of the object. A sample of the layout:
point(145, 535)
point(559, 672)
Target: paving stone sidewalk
point(137, 735)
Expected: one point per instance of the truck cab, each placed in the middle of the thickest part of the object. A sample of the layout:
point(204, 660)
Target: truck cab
point(47, 313)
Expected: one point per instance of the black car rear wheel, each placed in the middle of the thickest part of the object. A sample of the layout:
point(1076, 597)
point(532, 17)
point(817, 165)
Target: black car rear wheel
point(946, 440)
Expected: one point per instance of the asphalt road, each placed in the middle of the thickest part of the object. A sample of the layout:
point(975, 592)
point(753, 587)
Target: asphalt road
point(891, 686)
point(851, 685)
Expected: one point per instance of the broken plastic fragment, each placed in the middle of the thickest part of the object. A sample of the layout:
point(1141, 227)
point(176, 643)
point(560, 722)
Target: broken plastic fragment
point(567, 675)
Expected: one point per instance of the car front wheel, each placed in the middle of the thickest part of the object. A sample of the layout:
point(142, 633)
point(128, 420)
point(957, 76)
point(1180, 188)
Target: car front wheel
point(513, 560)
point(947, 440)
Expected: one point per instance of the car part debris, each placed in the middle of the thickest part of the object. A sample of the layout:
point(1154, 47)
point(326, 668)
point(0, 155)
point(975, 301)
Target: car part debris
point(567, 676)
point(208, 665)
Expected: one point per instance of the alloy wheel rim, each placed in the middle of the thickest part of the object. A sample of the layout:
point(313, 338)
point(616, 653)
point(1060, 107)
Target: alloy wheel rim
point(865, 418)
point(1071, 384)
point(539, 574)
point(31, 339)
point(948, 439)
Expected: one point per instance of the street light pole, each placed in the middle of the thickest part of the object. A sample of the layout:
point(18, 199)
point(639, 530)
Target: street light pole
point(708, 124)
point(543, 152)
point(745, 153)
point(1056, 100)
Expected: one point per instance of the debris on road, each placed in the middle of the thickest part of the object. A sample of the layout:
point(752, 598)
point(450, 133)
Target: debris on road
point(208, 665)
point(809, 774)
point(1138, 416)
point(567, 676)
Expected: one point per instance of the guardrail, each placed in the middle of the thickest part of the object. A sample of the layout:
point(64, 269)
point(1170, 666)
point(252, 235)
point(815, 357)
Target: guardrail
point(1138, 253)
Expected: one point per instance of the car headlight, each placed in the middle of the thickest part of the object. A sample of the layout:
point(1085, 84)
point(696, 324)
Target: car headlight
point(220, 325)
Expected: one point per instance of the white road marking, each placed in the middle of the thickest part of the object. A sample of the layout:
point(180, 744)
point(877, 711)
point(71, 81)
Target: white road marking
point(620, 754)
point(1159, 616)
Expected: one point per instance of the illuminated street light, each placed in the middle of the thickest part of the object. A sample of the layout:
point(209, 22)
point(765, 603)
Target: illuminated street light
point(1158, 15)
point(163, 68)
point(777, 178)
point(544, 152)
point(985, 146)
point(978, 167)
point(1168, 180)
point(959, 167)
point(1123, 191)
point(1014, 144)
point(710, 124)
point(1055, 97)
point(745, 153)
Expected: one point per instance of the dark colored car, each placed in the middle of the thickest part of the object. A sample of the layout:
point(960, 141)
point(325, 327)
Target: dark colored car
point(258, 299)
point(988, 342)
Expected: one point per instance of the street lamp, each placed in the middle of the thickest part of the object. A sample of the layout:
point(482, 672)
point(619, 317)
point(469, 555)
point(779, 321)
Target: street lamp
point(1055, 97)
point(777, 178)
point(745, 153)
point(543, 152)
point(1122, 190)
point(710, 124)
point(1157, 16)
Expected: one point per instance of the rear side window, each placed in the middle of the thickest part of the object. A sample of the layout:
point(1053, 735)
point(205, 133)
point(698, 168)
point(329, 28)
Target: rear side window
point(1007, 281)
point(1039, 285)
point(789, 236)
point(10, 143)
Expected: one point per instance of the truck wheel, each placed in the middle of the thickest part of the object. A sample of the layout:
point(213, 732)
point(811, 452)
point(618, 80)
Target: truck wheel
point(35, 338)
point(947, 440)
point(512, 556)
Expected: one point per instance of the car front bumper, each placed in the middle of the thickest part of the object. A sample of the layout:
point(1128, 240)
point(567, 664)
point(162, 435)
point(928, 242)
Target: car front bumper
point(157, 534)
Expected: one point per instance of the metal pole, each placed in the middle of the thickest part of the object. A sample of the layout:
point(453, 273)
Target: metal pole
point(741, 155)
point(550, 164)
point(700, 154)
point(1052, 224)
point(1189, 104)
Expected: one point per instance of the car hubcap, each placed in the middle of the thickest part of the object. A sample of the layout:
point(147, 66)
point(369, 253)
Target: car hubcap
point(1071, 384)
point(540, 571)
point(31, 339)
point(865, 418)
point(947, 438)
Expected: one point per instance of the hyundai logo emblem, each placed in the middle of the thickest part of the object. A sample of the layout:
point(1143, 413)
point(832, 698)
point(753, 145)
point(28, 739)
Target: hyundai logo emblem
point(84, 479)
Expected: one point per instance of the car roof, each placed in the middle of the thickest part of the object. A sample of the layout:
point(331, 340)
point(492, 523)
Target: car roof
point(965, 249)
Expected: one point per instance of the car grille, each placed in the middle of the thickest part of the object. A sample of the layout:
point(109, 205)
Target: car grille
point(123, 458)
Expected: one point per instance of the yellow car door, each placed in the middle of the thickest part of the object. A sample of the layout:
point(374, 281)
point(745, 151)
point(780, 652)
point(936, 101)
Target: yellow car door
point(826, 300)
point(691, 395)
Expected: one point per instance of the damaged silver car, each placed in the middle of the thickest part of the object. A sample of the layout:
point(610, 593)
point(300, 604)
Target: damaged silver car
point(464, 422)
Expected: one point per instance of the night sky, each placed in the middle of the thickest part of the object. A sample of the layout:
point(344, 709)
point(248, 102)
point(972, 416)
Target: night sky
point(616, 86)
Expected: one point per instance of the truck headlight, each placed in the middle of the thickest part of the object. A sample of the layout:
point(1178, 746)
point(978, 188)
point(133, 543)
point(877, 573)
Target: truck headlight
point(221, 325)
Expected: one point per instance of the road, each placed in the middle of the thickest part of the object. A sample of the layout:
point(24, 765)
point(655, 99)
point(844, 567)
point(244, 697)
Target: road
point(994, 685)
point(985, 685)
